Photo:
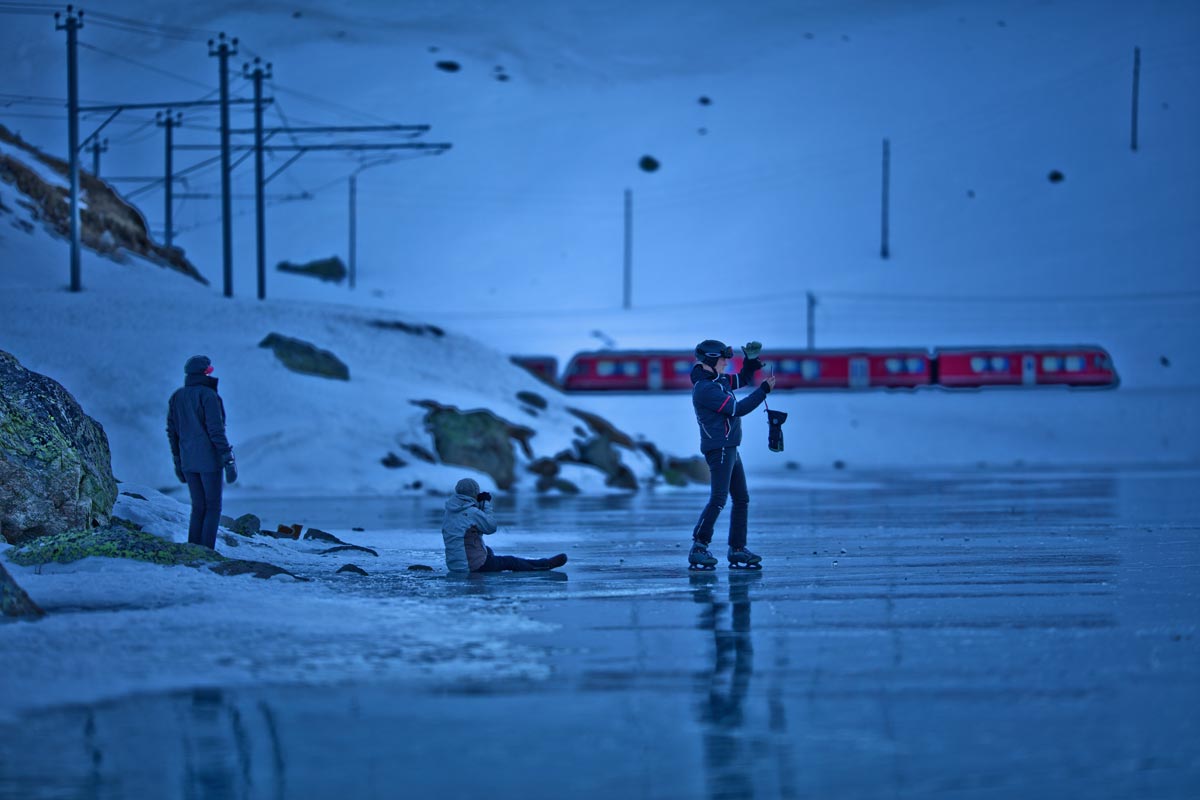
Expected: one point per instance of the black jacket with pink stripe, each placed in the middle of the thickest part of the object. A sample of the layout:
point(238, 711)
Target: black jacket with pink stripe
point(717, 411)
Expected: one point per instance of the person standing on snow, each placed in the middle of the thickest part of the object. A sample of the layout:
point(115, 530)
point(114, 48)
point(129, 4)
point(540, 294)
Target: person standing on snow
point(468, 519)
point(196, 431)
point(719, 416)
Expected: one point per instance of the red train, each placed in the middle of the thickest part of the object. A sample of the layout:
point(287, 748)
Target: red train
point(893, 368)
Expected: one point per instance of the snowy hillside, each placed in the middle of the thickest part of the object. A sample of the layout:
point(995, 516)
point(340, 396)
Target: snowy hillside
point(768, 127)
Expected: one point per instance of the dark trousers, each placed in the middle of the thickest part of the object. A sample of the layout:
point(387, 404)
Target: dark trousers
point(497, 563)
point(205, 488)
point(728, 478)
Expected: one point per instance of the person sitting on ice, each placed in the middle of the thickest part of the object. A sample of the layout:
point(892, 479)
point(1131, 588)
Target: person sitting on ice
point(468, 519)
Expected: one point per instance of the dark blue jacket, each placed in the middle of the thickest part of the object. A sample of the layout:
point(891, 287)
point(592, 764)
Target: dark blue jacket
point(717, 410)
point(196, 426)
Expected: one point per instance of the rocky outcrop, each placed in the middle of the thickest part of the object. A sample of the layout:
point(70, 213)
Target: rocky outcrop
point(259, 569)
point(55, 465)
point(13, 600)
point(115, 541)
point(108, 224)
point(326, 269)
point(306, 358)
point(477, 439)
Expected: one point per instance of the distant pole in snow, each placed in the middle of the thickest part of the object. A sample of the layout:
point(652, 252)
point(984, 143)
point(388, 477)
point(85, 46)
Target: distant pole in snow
point(353, 226)
point(1137, 71)
point(628, 281)
point(72, 23)
point(222, 50)
point(98, 147)
point(811, 319)
point(260, 224)
point(884, 252)
point(169, 122)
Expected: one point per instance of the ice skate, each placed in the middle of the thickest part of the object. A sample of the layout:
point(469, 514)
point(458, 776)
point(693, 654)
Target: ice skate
point(700, 559)
point(741, 558)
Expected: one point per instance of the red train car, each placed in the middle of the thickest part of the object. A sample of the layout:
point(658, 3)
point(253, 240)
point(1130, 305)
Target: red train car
point(656, 371)
point(975, 367)
point(545, 368)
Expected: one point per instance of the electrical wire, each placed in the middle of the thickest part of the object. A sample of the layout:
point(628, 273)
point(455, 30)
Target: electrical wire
point(144, 65)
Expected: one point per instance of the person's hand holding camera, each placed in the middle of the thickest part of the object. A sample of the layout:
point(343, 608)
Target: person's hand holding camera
point(483, 497)
point(768, 384)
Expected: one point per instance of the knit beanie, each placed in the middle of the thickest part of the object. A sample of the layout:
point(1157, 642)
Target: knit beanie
point(197, 365)
point(467, 486)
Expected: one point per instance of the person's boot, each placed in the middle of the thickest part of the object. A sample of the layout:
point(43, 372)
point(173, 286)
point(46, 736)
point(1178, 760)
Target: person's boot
point(551, 562)
point(700, 559)
point(741, 558)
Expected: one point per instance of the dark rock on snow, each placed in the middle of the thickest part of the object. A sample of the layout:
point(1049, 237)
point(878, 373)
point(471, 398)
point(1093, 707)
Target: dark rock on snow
point(306, 358)
point(479, 440)
point(321, 536)
point(326, 269)
point(259, 569)
point(351, 568)
point(13, 600)
point(420, 568)
point(345, 547)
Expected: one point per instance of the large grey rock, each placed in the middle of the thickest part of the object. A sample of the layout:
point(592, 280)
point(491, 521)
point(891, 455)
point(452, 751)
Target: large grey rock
point(477, 439)
point(55, 465)
point(13, 600)
point(327, 269)
point(305, 357)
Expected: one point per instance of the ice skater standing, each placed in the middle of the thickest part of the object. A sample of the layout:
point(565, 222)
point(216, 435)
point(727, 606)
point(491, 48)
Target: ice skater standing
point(719, 415)
point(196, 432)
point(468, 519)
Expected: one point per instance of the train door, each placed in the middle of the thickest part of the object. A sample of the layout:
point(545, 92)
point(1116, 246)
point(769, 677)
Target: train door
point(654, 374)
point(860, 373)
point(1028, 370)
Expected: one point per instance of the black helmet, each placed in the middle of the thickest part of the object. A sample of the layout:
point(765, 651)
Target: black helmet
point(710, 350)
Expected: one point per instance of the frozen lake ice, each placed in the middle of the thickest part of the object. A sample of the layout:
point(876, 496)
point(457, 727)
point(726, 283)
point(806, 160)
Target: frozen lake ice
point(965, 635)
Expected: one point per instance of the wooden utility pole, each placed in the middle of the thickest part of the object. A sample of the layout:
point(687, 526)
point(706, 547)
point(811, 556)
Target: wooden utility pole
point(169, 122)
point(811, 319)
point(884, 251)
point(627, 293)
point(222, 50)
point(73, 22)
point(257, 74)
point(1137, 71)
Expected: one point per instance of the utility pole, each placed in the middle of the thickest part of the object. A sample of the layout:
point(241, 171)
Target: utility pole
point(887, 167)
point(222, 50)
point(73, 22)
point(169, 122)
point(1137, 71)
point(353, 225)
point(627, 294)
point(257, 74)
point(98, 147)
point(812, 313)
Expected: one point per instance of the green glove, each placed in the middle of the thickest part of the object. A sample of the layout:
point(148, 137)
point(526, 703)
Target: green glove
point(752, 349)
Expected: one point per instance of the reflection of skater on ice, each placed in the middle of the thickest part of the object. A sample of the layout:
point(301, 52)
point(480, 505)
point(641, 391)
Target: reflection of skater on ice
point(719, 416)
point(727, 757)
point(468, 519)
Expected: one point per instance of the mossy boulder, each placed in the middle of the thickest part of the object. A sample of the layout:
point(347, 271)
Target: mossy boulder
point(477, 439)
point(115, 541)
point(55, 464)
point(305, 357)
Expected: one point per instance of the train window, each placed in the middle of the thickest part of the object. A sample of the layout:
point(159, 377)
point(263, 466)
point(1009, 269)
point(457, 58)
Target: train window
point(915, 365)
point(893, 365)
point(683, 367)
point(1074, 363)
point(979, 364)
point(631, 368)
point(810, 369)
point(1103, 362)
point(789, 365)
point(606, 368)
point(999, 363)
point(1051, 364)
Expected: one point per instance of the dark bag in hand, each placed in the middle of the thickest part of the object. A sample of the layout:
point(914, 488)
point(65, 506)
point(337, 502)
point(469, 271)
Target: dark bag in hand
point(775, 420)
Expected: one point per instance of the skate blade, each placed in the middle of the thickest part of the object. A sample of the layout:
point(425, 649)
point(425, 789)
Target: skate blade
point(702, 567)
point(753, 566)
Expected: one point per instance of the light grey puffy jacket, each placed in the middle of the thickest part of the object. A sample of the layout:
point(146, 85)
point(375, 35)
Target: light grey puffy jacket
point(462, 532)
